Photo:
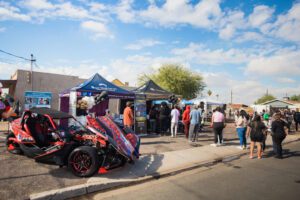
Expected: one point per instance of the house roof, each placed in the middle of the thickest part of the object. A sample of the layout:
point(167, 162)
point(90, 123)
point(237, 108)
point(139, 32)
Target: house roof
point(268, 102)
point(117, 82)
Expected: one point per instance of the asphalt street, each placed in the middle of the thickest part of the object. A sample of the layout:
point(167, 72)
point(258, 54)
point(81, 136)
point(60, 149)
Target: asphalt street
point(245, 178)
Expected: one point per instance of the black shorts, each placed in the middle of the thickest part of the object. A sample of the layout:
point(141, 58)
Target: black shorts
point(256, 137)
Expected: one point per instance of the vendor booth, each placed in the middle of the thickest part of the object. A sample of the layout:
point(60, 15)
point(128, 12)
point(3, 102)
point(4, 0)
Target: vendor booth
point(147, 95)
point(93, 86)
point(209, 106)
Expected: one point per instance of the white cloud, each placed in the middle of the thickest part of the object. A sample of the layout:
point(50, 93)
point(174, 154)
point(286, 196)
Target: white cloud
point(261, 14)
point(124, 11)
point(197, 53)
point(37, 4)
point(285, 80)
point(140, 44)
point(98, 29)
point(282, 62)
point(203, 14)
point(250, 36)
point(287, 26)
point(8, 12)
point(227, 32)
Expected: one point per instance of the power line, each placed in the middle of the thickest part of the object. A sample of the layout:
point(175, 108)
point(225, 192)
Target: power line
point(14, 55)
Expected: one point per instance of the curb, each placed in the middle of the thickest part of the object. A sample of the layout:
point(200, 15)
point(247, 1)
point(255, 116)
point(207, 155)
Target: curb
point(87, 188)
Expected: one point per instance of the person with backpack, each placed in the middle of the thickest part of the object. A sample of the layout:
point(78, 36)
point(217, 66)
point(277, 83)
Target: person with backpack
point(256, 131)
point(279, 130)
point(241, 128)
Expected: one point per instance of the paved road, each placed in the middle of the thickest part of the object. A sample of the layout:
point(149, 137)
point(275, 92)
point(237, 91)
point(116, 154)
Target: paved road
point(245, 179)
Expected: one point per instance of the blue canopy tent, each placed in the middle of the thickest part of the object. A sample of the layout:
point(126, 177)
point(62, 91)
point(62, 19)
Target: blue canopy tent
point(95, 85)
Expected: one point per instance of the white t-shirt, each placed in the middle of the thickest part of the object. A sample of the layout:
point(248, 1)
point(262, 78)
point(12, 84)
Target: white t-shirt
point(175, 115)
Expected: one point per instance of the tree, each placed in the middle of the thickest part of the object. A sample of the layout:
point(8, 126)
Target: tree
point(176, 79)
point(265, 98)
point(295, 97)
point(209, 92)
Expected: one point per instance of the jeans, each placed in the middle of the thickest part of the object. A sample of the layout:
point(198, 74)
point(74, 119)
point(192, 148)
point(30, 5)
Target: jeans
point(193, 132)
point(218, 131)
point(242, 136)
point(277, 147)
point(153, 125)
point(174, 126)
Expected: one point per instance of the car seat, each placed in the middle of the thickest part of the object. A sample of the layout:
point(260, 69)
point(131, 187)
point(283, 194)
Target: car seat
point(34, 128)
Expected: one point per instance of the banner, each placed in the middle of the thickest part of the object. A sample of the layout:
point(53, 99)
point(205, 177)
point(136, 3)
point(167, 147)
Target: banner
point(140, 116)
point(37, 99)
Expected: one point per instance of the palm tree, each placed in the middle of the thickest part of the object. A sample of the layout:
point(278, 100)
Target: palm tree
point(209, 92)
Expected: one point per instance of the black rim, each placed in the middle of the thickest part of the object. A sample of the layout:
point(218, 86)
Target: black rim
point(81, 162)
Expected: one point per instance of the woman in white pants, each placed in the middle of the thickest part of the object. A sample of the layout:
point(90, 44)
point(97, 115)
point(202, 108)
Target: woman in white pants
point(174, 121)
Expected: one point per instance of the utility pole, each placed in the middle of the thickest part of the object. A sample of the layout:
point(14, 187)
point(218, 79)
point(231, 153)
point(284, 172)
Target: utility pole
point(31, 70)
point(231, 97)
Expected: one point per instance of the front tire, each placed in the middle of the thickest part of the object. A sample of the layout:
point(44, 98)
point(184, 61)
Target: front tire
point(83, 161)
point(12, 146)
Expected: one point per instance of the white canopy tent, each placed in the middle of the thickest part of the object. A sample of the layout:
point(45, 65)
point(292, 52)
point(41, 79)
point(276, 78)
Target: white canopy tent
point(209, 105)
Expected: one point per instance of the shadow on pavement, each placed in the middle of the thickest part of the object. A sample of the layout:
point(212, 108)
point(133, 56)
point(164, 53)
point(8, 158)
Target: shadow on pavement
point(146, 165)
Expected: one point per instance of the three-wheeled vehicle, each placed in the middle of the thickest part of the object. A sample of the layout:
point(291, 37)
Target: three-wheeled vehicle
point(83, 149)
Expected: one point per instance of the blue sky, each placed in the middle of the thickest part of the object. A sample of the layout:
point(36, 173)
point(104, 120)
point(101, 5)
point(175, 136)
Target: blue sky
point(243, 46)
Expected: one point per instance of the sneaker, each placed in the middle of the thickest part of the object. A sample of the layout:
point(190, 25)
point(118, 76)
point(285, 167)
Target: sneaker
point(213, 145)
point(239, 147)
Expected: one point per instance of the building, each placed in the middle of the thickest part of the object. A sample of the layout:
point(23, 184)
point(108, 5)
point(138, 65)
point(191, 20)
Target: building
point(22, 81)
point(273, 105)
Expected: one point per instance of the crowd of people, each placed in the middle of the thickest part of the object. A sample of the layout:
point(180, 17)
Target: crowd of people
point(257, 127)
point(277, 124)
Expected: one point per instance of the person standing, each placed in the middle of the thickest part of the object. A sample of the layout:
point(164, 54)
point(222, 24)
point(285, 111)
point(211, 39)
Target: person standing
point(218, 124)
point(164, 115)
point(174, 121)
point(128, 116)
point(279, 132)
point(266, 121)
point(152, 118)
point(186, 120)
point(195, 117)
point(296, 117)
point(256, 131)
point(241, 128)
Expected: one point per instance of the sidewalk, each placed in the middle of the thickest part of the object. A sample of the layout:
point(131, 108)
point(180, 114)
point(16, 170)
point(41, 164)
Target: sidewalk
point(153, 166)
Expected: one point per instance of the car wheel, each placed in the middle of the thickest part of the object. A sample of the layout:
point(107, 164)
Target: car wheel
point(11, 145)
point(83, 161)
